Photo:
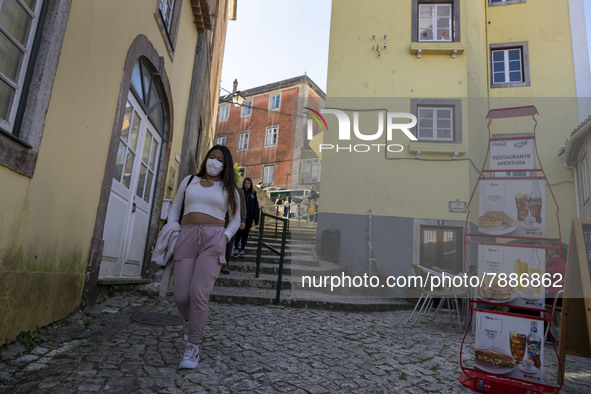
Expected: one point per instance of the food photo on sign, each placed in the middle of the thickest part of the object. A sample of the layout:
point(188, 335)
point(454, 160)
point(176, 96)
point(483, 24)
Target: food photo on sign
point(511, 276)
point(509, 346)
point(512, 207)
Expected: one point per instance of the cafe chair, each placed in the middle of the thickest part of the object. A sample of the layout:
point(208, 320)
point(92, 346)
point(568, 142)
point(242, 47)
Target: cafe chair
point(444, 294)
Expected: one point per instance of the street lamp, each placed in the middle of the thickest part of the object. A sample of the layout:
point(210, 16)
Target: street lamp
point(237, 99)
point(286, 179)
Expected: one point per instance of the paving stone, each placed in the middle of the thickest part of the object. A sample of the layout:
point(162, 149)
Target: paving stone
point(89, 388)
point(249, 348)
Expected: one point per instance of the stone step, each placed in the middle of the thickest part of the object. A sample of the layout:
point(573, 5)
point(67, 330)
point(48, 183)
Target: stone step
point(248, 264)
point(289, 242)
point(303, 260)
point(292, 234)
point(243, 274)
point(237, 295)
point(300, 299)
point(318, 280)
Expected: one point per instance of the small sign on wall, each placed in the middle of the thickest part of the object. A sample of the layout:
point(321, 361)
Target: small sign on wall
point(458, 206)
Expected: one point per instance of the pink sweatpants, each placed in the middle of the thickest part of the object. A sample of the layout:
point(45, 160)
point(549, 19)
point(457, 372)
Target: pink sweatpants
point(198, 257)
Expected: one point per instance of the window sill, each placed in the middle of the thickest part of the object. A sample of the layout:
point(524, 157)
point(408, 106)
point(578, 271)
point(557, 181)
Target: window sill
point(437, 48)
point(509, 2)
point(509, 85)
point(438, 147)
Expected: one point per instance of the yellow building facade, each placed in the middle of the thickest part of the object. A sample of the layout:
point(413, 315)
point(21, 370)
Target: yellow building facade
point(447, 63)
point(105, 106)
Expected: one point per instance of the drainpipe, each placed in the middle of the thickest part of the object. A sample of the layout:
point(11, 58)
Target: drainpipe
point(574, 169)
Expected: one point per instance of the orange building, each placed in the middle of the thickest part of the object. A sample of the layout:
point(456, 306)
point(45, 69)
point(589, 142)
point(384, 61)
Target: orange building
point(267, 132)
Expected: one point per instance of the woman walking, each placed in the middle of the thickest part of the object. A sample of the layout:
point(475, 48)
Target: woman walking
point(252, 215)
point(208, 198)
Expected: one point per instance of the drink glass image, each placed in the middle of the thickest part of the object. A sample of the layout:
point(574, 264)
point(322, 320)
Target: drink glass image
point(522, 202)
point(535, 202)
point(518, 342)
point(520, 268)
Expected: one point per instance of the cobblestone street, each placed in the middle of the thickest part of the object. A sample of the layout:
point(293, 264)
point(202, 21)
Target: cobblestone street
point(246, 348)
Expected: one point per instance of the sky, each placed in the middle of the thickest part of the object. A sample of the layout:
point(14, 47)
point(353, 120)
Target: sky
point(273, 40)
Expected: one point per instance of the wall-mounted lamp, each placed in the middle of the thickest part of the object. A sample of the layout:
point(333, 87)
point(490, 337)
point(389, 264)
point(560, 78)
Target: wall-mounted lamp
point(385, 36)
point(418, 154)
point(373, 36)
point(455, 156)
point(385, 45)
point(453, 53)
point(237, 99)
point(419, 53)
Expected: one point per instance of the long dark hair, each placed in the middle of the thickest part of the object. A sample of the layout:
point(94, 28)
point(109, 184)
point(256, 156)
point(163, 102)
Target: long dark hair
point(227, 175)
point(249, 190)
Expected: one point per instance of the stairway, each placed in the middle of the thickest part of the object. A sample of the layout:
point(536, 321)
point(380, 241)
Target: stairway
point(242, 287)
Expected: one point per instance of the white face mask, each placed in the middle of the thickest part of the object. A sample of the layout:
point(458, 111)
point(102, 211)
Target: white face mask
point(213, 167)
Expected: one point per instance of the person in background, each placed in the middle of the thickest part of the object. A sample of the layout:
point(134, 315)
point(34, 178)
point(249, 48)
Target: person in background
point(286, 207)
point(279, 203)
point(199, 252)
point(313, 204)
point(226, 267)
point(252, 215)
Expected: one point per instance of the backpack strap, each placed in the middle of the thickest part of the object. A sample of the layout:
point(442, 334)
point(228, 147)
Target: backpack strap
point(183, 206)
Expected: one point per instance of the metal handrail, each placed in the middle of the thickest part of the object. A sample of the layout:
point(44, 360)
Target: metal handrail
point(301, 211)
point(281, 253)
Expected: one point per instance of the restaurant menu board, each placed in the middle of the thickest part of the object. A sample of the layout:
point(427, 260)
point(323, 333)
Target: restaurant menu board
point(512, 207)
point(512, 155)
point(511, 276)
point(510, 346)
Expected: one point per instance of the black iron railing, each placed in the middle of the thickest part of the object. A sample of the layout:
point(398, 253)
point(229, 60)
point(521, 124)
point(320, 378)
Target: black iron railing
point(281, 252)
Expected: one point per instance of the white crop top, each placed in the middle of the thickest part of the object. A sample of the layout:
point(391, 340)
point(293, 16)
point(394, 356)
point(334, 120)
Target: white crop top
point(211, 201)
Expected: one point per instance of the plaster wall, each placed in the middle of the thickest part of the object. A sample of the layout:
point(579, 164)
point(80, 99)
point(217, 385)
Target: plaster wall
point(47, 221)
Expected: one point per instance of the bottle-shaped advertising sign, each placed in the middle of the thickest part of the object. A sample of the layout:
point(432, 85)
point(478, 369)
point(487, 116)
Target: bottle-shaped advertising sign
point(535, 202)
point(533, 265)
point(534, 345)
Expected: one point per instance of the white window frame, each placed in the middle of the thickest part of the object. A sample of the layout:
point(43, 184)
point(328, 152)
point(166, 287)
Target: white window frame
point(271, 136)
point(166, 8)
point(274, 102)
point(456, 30)
point(18, 83)
point(243, 140)
point(307, 170)
point(316, 167)
point(221, 140)
point(585, 179)
point(268, 174)
point(246, 109)
point(436, 10)
point(168, 14)
point(436, 116)
point(224, 113)
point(430, 236)
point(506, 63)
point(504, 48)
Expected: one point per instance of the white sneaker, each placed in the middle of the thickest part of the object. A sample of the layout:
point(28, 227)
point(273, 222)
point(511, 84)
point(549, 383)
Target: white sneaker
point(190, 358)
point(242, 253)
point(185, 331)
point(236, 252)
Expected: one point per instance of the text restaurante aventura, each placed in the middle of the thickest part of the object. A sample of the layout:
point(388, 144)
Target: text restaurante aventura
point(511, 160)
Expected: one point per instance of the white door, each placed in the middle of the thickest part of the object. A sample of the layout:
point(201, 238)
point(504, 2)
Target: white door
point(130, 201)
